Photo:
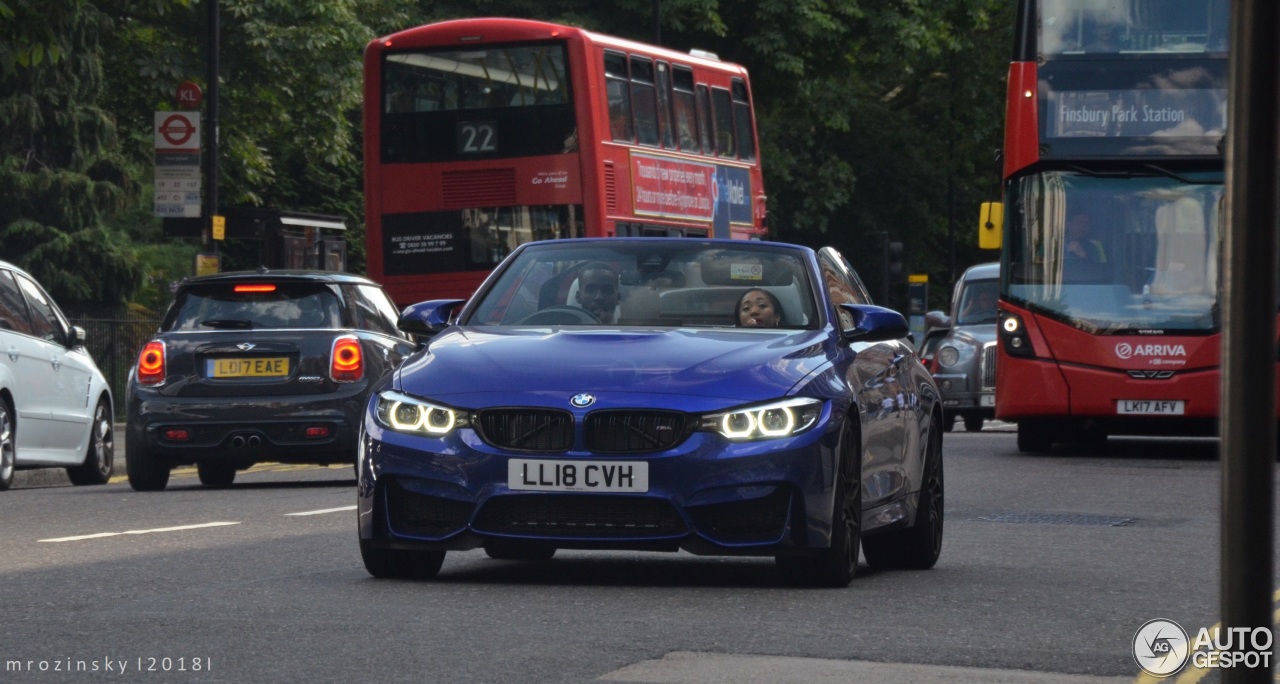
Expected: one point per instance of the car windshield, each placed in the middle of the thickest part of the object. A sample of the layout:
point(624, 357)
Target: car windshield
point(977, 302)
point(683, 283)
point(255, 305)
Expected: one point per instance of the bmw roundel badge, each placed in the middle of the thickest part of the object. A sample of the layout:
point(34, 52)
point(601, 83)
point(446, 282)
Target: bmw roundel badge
point(582, 400)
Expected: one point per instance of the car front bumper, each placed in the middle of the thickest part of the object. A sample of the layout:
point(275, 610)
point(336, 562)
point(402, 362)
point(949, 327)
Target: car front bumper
point(706, 495)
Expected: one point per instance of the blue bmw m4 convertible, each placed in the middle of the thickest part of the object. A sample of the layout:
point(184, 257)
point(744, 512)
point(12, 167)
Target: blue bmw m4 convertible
point(720, 397)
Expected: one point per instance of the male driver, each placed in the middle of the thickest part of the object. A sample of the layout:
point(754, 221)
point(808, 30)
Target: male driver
point(598, 290)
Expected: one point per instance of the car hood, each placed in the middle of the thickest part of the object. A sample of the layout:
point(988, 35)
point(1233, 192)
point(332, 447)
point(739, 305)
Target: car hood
point(472, 366)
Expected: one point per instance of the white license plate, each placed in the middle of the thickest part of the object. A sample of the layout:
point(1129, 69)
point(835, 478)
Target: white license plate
point(1151, 407)
point(987, 400)
point(577, 476)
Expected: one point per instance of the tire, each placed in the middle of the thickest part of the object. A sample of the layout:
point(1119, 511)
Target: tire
point(147, 472)
point(216, 473)
point(1034, 438)
point(835, 566)
point(500, 550)
point(100, 458)
point(949, 422)
point(919, 546)
point(973, 423)
point(8, 453)
point(400, 563)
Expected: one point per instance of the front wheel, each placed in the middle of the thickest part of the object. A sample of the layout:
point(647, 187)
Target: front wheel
point(400, 563)
point(216, 474)
point(836, 565)
point(8, 454)
point(1034, 438)
point(99, 460)
point(919, 546)
point(973, 423)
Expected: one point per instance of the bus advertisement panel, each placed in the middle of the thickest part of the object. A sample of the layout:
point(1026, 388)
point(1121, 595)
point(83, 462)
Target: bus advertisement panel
point(1110, 316)
point(483, 134)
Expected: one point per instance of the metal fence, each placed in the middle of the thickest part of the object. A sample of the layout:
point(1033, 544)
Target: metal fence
point(114, 341)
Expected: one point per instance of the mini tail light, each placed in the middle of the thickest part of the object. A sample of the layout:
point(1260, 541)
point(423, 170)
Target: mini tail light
point(151, 363)
point(256, 287)
point(177, 435)
point(347, 360)
point(316, 432)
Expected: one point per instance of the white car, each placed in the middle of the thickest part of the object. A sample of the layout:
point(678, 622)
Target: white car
point(55, 405)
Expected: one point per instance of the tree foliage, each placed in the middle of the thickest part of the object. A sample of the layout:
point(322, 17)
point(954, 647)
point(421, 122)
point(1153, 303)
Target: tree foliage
point(876, 118)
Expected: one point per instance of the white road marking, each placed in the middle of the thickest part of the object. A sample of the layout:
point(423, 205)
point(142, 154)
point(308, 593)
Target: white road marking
point(158, 529)
point(325, 510)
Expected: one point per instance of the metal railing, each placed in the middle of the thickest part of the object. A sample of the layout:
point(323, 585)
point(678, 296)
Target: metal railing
point(114, 340)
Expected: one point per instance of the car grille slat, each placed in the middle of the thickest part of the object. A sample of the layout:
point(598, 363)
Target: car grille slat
point(526, 429)
point(579, 515)
point(989, 366)
point(634, 431)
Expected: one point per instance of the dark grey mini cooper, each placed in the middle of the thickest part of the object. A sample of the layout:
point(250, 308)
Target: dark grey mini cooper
point(258, 366)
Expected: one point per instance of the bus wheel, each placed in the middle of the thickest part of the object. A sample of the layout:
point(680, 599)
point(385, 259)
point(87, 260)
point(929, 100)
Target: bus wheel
point(1034, 437)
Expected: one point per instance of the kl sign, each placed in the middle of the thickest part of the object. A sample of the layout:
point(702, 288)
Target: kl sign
point(189, 95)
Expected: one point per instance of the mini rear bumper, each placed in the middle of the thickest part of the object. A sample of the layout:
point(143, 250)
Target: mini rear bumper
point(283, 429)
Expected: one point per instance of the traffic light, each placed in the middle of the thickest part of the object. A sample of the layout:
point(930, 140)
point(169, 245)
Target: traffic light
point(894, 261)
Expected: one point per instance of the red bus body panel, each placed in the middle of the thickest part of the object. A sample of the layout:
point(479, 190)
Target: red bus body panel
point(598, 176)
point(1021, 137)
point(1078, 374)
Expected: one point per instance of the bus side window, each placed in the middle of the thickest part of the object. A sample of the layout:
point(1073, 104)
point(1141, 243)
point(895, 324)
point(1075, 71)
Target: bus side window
point(742, 120)
point(684, 112)
point(724, 122)
point(617, 88)
point(664, 105)
point(642, 101)
point(704, 119)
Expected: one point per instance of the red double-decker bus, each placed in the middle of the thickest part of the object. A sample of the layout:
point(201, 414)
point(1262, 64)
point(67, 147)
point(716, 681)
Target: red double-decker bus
point(1110, 309)
point(482, 134)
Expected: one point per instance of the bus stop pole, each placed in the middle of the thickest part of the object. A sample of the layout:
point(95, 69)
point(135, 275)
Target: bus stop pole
point(211, 128)
point(1248, 423)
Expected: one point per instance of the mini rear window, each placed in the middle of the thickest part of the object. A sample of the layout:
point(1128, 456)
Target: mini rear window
point(257, 305)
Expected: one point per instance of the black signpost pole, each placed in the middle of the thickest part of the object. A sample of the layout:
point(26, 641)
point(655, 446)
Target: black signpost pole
point(211, 131)
point(1248, 424)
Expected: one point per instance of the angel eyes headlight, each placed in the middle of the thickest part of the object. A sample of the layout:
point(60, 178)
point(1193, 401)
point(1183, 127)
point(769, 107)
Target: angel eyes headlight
point(404, 413)
point(766, 421)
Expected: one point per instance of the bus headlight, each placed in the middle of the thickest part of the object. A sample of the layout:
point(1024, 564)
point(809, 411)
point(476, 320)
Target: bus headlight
point(774, 420)
point(1013, 335)
point(403, 413)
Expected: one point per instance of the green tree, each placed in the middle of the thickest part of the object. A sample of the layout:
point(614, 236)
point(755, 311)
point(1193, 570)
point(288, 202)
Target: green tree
point(62, 171)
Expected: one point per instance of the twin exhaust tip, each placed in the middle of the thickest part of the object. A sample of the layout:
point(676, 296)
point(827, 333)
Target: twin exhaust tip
point(240, 442)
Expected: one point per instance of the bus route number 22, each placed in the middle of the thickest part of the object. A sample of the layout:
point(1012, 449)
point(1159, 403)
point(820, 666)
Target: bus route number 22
point(477, 137)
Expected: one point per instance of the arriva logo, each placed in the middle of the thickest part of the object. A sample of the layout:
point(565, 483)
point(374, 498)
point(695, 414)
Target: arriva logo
point(1127, 351)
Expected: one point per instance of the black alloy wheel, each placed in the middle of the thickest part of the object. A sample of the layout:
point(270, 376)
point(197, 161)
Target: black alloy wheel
point(836, 565)
point(919, 546)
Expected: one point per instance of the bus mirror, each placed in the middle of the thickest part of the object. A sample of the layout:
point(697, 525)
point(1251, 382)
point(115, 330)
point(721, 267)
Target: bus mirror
point(990, 225)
